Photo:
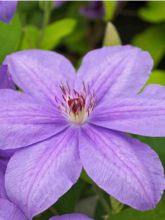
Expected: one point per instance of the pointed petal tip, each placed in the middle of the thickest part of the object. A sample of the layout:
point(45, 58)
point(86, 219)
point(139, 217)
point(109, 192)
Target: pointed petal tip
point(126, 168)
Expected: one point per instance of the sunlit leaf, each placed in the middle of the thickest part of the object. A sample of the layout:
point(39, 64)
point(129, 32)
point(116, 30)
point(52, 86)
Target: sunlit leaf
point(115, 205)
point(130, 214)
point(85, 177)
point(111, 36)
point(56, 31)
point(154, 12)
point(152, 40)
point(157, 77)
point(109, 8)
point(30, 37)
point(9, 37)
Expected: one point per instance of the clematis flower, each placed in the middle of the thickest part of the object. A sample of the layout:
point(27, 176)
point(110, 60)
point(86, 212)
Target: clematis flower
point(71, 217)
point(7, 10)
point(8, 210)
point(65, 121)
point(5, 78)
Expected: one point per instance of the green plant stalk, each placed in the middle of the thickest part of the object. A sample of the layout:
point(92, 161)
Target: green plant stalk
point(46, 18)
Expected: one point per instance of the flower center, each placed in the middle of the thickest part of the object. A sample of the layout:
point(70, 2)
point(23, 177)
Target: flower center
point(76, 106)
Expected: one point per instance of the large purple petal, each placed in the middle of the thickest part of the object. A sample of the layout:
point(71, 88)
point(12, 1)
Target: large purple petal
point(5, 79)
point(37, 176)
point(154, 91)
point(115, 71)
point(39, 72)
point(124, 167)
point(23, 121)
point(2, 187)
point(4, 158)
point(8, 211)
point(7, 10)
point(143, 114)
point(71, 217)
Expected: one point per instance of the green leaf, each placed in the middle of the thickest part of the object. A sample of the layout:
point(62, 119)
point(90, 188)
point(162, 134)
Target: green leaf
point(109, 8)
point(154, 12)
point(115, 205)
point(157, 77)
point(130, 214)
point(152, 40)
point(68, 201)
point(111, 36)
point(85, 177)
point(87, 205)
point(56, 31)
point(30, 38)
point(10, 35)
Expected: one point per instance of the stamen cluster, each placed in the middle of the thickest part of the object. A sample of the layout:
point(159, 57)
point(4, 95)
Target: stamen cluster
point(76, 106)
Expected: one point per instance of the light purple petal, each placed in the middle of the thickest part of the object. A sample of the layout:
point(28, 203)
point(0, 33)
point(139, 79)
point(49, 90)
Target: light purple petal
point(39, 73)
point(4, 159)
point(143, 114)
point(124, 167)
point(23, 121)
point(71, 217)
point(154, 91)
point(5, 78)
point(115, 71)
point(94, 10)
point(8, 211)
point(7, 10)
point(37, 176)
point(2, 187)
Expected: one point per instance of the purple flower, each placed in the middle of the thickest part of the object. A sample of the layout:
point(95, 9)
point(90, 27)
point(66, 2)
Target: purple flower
point(7, 10)
point(59, 3)
point(65, 121)
point(5, 78)
point(8, 210)
point(71, 217)
point(94, 10)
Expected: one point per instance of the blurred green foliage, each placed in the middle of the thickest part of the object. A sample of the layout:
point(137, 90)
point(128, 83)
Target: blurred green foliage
point(130, 214)
point(152, 40)
point(10, 35)
point(109, 8)
point(56, 31)
point(154, 12)
point(30, 37)
point(157, 77)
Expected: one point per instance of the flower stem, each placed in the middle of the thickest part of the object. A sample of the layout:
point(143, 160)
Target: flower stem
point(102, 200)
point(47, 7)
